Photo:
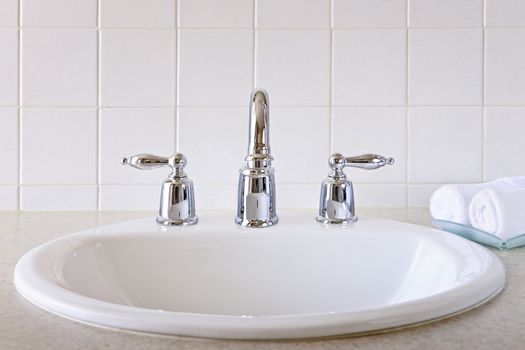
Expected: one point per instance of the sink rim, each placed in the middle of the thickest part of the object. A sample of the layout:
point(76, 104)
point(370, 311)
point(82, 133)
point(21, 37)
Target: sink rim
point(56, 299)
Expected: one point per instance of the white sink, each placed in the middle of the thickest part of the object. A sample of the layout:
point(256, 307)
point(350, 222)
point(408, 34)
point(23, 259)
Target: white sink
point(296, 279)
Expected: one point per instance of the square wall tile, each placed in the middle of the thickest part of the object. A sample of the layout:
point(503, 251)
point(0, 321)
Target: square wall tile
point(216, 67)
point(215, 197)
point(58, 13)
point(213, 138)
point(419, 195)
point(137, 13)
point(379, 196)
point(59, 67)
point(294, 66)
point(369, 67)
point(8, 197)
point(58, 198)
point(8, 67)
point(295, 14)
point(445, 144)
point(130, 197)
point(9, 13)
point(297, 196)
point(504, 13)
point(216, 14)
point(446, 13)
point(138, 68)
point(504, 66)
point(504, 142)
point(58, 146)
point(300, 141)
point(9, 145)
point(372, 130)
point(369, 13)
point(126, 132)
point(445, 66)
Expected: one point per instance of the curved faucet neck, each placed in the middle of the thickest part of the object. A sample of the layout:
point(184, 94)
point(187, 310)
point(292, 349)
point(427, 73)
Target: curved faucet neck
point(259, 124)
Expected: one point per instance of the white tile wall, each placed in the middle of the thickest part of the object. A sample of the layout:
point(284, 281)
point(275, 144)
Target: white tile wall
point(58, 67)
point(439, 85)
point(137, 13)
point(369, 67)
point(445, 66)
point(58, 13)
point(137, 68)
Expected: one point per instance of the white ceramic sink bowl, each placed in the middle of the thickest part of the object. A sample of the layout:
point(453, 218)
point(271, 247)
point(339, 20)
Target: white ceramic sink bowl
point(296, 279)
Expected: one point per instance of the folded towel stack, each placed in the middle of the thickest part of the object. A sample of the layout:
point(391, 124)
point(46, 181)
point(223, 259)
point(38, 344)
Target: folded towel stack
point(451, 202)
point(499, 212)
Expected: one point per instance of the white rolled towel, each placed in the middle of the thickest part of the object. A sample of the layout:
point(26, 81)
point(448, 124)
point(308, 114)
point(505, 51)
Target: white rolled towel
point(451, 202)
point(499, 212)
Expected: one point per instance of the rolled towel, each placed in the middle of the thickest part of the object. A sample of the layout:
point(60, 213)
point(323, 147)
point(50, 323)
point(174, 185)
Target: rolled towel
point(499, 212)
point(451, 202)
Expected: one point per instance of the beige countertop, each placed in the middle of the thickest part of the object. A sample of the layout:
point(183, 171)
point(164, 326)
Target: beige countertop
point(498, 324)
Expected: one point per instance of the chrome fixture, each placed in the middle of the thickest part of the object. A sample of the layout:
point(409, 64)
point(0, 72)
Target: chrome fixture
point(256, 191)
point(177, 200)
point(336, 203)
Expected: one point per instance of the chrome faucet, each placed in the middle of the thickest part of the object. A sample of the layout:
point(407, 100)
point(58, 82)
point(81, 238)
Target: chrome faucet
point(336, 202)
point(256, 191)
point(177, 199)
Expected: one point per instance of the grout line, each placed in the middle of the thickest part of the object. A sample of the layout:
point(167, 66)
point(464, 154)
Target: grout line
point(331, 80)
point(483, 175)
point(254, 49)
point(407, 82)
point(177, 78)
point(18, 109)
point(99, 100)
point(176, 109)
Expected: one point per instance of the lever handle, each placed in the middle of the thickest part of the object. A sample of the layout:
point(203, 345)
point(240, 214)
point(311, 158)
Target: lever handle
point(367, 161)
point(145, 161)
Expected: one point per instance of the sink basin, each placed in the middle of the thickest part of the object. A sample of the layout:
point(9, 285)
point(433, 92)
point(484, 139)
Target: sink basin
point(293, 280)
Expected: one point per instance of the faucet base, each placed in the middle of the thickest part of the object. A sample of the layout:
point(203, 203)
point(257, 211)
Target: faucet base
point(179, 222)
point(256, 223)
point(324, 220)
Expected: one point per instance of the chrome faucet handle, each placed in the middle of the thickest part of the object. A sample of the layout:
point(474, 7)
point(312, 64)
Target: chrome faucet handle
point(336, 202)
point(177, 200)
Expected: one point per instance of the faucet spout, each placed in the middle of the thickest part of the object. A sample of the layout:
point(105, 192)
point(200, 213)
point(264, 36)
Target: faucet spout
point(256, 196)
point(259, 126)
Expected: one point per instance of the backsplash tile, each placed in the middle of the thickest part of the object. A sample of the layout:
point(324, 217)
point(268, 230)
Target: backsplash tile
point(58, 146)
point(9, 13)
point(59, 67)
point(445, 13)
point(216, 14)
point(137, 13)
point(369, 67)
point(504, 13)
point(297, 158)
point(504, 141)
point(125, 132)
point(9, 145)
point(438, 85)
point(372, 130)
point(293, 14)
point(8, 67)
point(504, 68)
point(294, 66)
point(212, 143)
point(8, 197)
point(369, 13)
point(445, 66)
point(58, 13)
point(215, 67)
point(58, 198)
point(444, 144)
point(138, 68)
